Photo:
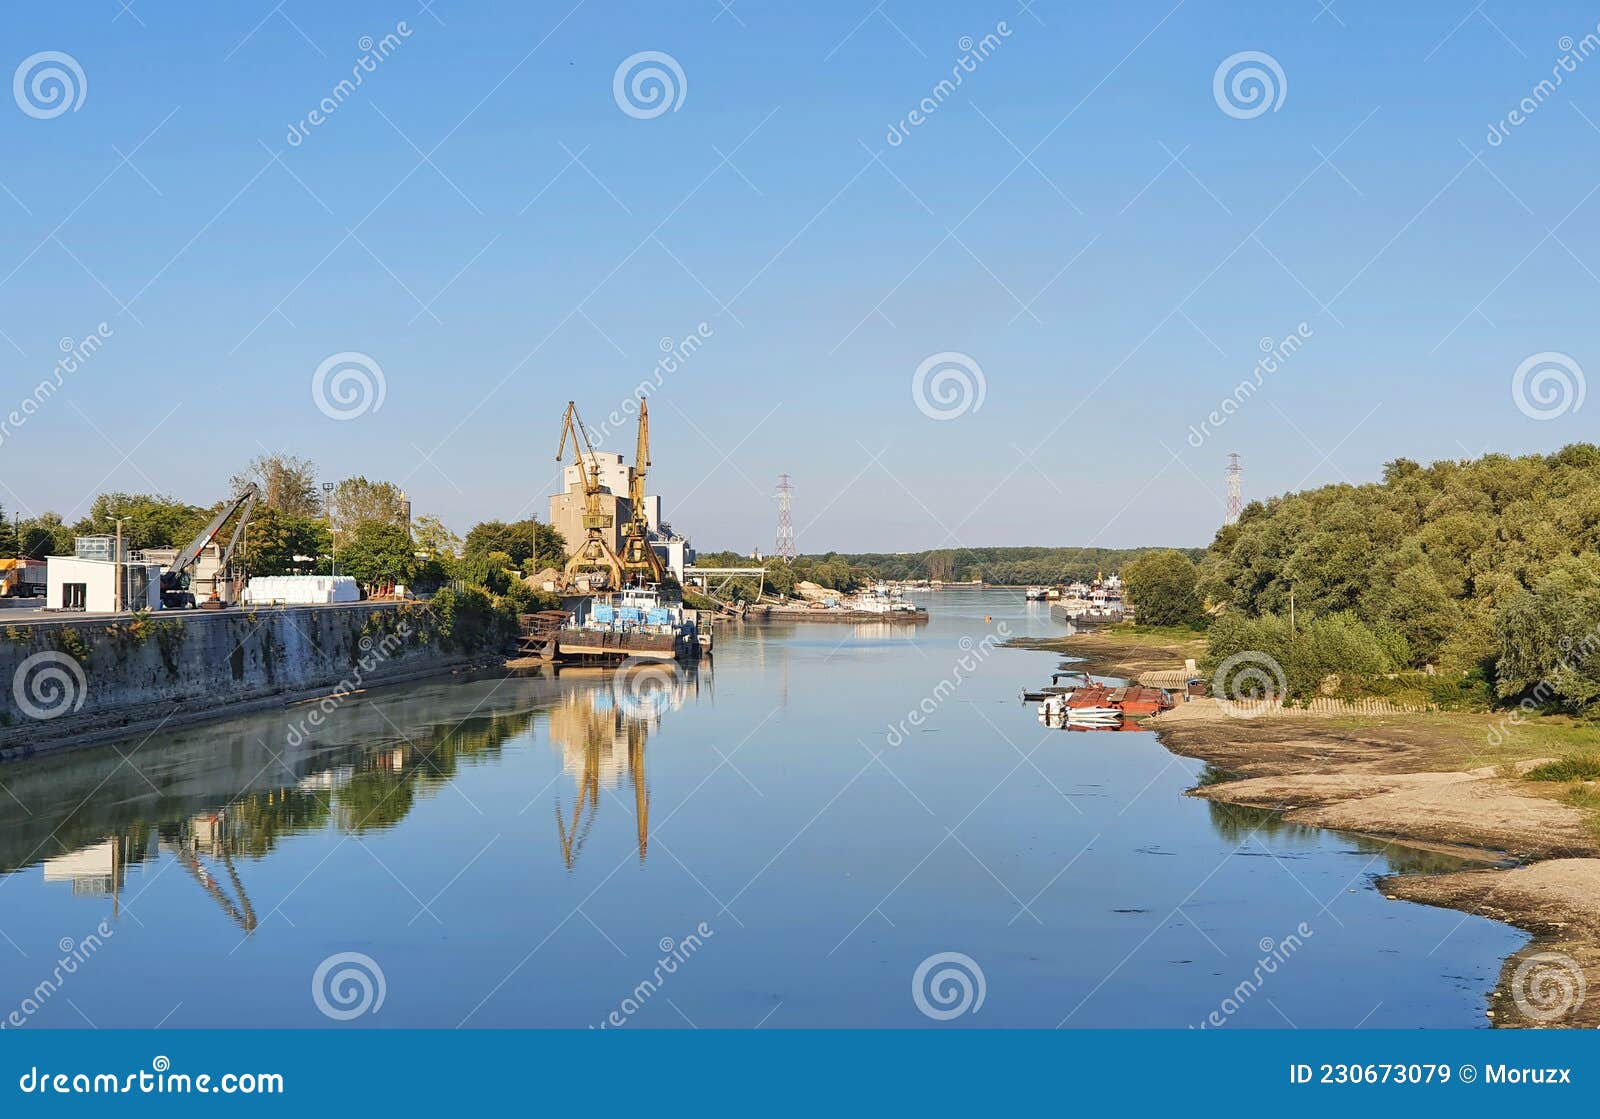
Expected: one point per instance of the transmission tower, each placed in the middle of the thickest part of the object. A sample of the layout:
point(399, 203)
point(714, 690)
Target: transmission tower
point(1235, 490)
point(784, 548)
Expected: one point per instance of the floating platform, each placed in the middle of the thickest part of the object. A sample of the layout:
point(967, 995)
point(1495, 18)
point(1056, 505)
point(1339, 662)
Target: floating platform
point(601, 646)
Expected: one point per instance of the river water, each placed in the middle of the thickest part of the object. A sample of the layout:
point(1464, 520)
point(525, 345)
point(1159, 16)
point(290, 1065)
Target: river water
point(770, 840)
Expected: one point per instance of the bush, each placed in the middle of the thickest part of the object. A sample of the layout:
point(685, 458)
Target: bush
point(1581, 766)
point(1339, 645)
point(471, 621)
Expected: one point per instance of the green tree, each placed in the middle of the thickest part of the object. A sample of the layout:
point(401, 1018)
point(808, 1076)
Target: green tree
point(1161, 587)
point(430, 536)
point(288, 484)
point(377, 552)
point(45, 535)
point(357, 501)
point(275, 538)
point(148, 520)
point(528, 542)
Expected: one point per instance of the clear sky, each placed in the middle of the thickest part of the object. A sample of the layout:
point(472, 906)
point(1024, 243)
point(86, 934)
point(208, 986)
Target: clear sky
point(1084, 217)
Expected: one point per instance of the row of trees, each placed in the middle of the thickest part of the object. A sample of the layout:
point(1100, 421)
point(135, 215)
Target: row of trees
point(1008, 566)
point(362, 526)
point(1484, 568)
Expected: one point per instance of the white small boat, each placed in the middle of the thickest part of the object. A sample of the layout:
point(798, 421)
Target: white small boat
point(1035, 594)
point(1058, 708)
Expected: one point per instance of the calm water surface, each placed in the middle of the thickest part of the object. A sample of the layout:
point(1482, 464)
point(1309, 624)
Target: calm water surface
point(523, 852)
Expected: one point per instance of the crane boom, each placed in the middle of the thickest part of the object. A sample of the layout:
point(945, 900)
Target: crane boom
point(638, 557)
point(174, 592)
point(182, 561)
point(594, 556)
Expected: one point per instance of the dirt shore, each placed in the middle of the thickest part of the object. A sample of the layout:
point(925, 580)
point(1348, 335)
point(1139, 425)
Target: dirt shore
point(1431, 780)
point(1118, 651)
point(1443, 781)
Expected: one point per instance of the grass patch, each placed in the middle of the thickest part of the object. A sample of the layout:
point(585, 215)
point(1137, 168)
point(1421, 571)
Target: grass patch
point(1586, 797)
point(1581, 766)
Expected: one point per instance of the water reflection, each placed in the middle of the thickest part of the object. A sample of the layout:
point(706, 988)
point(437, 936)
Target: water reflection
point(211, 798)
point(1238, 823)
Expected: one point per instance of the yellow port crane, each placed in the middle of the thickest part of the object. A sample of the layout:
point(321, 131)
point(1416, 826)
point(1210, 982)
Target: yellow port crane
point(593, 562)
point(638, 557)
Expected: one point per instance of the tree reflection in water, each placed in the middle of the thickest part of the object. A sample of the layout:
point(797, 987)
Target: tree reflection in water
point(96, 817)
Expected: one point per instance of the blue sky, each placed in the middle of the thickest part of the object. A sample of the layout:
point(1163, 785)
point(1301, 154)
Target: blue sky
point(1113, 286)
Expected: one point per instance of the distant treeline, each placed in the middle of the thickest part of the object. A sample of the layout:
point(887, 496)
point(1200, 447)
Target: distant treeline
point(1015, 566)
point(1486, 569)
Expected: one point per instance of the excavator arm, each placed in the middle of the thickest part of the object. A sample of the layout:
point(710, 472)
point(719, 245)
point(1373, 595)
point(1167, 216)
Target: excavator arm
point(172, 585)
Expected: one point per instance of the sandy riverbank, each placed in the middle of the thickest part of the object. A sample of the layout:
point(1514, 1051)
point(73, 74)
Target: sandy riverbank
point(1119, 651)
point(1432, 780)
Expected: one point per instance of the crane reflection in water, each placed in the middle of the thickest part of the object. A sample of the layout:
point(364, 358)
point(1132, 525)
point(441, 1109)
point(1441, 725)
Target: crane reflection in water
point(601, 733)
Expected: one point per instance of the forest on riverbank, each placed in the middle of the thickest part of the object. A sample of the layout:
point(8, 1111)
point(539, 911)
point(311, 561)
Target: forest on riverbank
point(1484, 572)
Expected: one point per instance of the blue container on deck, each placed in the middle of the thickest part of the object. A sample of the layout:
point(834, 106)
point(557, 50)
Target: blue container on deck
point(604, 613)
point(630, 614)
point(659, 616)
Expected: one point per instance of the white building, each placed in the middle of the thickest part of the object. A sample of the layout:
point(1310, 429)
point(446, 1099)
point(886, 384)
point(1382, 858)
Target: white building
point(90, 585)
point(614, 476)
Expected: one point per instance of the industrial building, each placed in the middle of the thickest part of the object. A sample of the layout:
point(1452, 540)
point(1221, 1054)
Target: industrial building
point(616, 481)
point(88, 584)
